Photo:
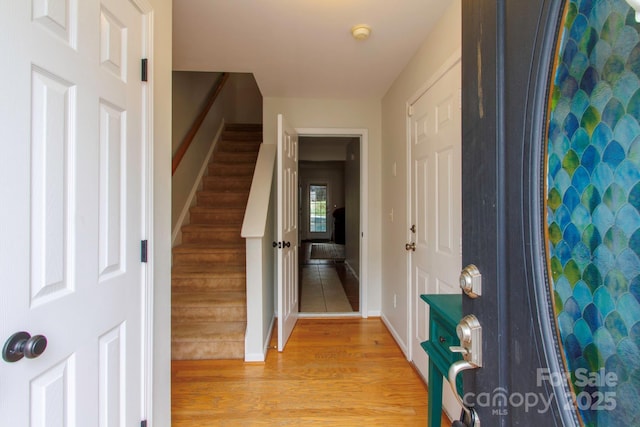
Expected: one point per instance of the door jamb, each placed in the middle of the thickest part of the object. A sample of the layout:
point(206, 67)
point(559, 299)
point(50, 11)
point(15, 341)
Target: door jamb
point(148, 207)
point(363, 135)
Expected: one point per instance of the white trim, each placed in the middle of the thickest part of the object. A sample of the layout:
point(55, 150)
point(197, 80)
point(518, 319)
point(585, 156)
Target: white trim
point(363, 134)
point(325, 315)
point(346, 263)
point(447, 65)
point(147, 359)
point(191, 199)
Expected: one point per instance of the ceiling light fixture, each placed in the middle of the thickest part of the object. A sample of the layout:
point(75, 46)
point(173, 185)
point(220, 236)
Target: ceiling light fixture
point(361, 32)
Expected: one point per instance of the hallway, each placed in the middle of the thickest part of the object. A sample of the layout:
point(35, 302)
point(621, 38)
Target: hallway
point(326, 284)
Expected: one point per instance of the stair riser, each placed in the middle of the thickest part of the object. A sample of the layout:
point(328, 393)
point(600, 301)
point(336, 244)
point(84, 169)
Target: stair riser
point(212, 284)
point(213, 350)
point(222, 200)
point(246, 127)
point(240, 169)
point(235, 157)
point(213, 236)
point(223, 184)
point(208, 314)
point(242, 136)
point(238, 147)
point(217, 217)
point(224, 257)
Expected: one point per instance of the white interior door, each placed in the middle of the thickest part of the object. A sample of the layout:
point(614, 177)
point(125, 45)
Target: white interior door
point(435, 205)
point(287, 231)
point(71, 128)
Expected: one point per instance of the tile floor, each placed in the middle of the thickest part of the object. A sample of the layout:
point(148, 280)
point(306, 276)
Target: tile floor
point(326, 286)
point(322, 291)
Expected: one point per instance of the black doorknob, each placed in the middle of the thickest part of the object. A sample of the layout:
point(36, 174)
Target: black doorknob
point(22, 344)
point(287, 244)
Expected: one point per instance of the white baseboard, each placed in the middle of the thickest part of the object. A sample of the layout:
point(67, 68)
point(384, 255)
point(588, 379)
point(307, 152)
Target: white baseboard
point(260, 357)
point(183, 219)
point(396, 336)
point(269, 335)
point(351, 269)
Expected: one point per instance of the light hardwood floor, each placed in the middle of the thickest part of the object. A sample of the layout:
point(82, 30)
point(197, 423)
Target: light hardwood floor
point(333, 372)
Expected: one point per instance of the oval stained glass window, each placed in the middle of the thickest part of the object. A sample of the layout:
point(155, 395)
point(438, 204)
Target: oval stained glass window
point(592, 206)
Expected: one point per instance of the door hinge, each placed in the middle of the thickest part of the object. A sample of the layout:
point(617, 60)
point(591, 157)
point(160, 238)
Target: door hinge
point(143, 423)
point(143, 70)
point(410, 110)
point(143, 251)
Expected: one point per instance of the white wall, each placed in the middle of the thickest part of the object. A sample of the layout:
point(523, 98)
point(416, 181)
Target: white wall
point(443, 41)
point(350, 114)
point(160, 241)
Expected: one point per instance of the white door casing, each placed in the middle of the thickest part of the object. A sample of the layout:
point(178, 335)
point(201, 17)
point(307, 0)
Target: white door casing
point(73, 127)
point(287, 231)
point(436, 197)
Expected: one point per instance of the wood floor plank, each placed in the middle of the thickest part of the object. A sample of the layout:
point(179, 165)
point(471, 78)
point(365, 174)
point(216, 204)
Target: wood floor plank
point(333, 372)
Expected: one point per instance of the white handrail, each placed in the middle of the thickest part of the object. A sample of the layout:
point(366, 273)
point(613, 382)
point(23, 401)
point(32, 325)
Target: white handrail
point(255, 216)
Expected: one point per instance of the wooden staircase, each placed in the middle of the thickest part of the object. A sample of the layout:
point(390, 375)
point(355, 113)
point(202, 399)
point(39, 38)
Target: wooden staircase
point(209, 311)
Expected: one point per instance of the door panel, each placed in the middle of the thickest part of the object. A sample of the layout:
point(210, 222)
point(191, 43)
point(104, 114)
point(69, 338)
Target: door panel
point(71, 126)
point(507, 57)
point(436, 197)
point(287, 231)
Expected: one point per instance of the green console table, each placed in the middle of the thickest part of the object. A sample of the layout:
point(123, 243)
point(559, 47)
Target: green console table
point(445, 313)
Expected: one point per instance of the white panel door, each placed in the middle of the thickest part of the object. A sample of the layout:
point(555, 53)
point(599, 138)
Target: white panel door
point(72, 134)
point(287, 231)
point(435, 148)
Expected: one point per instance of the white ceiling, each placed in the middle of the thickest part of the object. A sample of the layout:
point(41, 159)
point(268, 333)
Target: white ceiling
point(303, 48)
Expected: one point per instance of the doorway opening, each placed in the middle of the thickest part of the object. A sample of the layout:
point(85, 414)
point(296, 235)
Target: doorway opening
point(330, 223)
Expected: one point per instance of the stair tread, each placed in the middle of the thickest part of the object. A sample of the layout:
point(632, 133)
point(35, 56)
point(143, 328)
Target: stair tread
point(207, 299)
point(223, 226)
point(206, 247)
point(218, 209)
point(232, 178)
point(207, 270)
point(207, 331)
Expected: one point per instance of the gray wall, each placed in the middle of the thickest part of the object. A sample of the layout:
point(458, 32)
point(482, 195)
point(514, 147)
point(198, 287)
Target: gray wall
point(352, 205)
point(239, 101)
point(329, 173)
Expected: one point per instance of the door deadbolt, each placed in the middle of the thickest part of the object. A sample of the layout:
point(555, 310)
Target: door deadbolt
point(471, 281)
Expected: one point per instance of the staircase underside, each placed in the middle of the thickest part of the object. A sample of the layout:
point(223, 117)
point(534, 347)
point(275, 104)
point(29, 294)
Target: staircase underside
point(209, 310)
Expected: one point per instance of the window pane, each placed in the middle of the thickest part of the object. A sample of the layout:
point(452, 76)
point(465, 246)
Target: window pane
point(318, 208)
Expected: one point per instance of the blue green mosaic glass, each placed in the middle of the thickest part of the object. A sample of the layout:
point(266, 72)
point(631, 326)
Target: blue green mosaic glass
point(593, 207)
